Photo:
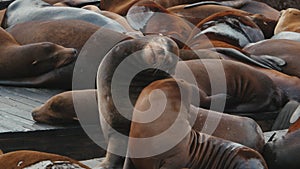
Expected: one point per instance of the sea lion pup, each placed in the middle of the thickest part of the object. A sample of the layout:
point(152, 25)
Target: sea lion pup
point(32, 10)
point(168, 140)
point(283, 152)
point(25, 159)
point(288, 21)
point(148, 58)
point(21, 61)
point(60, 109)
point(274, 47)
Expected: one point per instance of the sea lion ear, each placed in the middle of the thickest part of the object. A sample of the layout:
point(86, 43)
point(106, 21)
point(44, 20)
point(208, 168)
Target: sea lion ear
point(1, 152)
point(57, 104)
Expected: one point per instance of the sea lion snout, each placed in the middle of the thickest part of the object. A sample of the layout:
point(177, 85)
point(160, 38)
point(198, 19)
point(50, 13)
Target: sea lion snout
point(66, 56)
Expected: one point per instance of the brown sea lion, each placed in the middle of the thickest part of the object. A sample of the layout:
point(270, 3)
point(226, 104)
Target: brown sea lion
point(283, 152)
point(146, 55)
point(172, 143)
point(151, 18)
point(59, 109)
point(25, 159)
point(247, 90)
point(288, 21)
point(59, 31)
point(198, 13)
point(121, 7)
point(250, 6)
point(21, 61)
point(238, 129)
point(229, 27)
point(274, 47)
point(33, 10)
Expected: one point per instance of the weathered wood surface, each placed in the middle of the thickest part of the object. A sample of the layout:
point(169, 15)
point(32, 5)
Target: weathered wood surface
point(19, 131)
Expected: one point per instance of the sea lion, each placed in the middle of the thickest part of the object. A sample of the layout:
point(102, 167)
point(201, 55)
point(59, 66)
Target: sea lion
point(283, 152)
point(121, 7)
point(151, 18)
point(274, 47)
point(25, 159)
point(197, 14)
point(148, 54)
point(229, 27)
point(288, 21)
point(172, 143)
point(242, 130)
point(22, 61)
point(250, 6)
point(59, 109)
point(58, 31)
point(247, 90)
point(32, 10)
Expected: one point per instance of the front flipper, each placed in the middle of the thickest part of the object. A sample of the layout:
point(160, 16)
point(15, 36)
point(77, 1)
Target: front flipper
point(265, 61)
point(270, 61)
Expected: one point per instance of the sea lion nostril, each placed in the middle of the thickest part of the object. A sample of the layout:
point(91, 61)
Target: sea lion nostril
point(75, 51)
point(34, 114)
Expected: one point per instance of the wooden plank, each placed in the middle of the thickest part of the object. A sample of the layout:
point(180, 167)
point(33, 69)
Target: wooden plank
point(92, 163)
point(72, 142)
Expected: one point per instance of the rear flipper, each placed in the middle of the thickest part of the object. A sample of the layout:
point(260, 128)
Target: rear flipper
point(234, 4)
point(265, 61)
point(283, 119)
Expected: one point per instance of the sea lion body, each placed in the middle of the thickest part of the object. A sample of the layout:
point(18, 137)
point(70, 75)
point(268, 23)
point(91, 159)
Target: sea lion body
point(27, 10)
point(191, 149)
point(59, 31)
point(274, 47)
point(21, 61)
point(158, 52)
point(247, 90)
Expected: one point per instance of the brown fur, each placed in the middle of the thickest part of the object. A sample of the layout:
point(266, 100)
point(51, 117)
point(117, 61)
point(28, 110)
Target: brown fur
point(26, 158)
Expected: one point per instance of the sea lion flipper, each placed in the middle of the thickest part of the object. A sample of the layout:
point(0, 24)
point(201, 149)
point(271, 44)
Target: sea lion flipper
point(270, 62)
point(283, 119)
point(233, 4)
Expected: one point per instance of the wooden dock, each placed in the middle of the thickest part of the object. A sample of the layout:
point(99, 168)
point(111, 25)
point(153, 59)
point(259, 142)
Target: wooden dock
point(19, 131)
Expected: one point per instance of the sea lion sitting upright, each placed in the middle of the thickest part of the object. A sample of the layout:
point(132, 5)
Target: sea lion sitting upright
point(168, 140)
point(20, 61)
point(144, 56)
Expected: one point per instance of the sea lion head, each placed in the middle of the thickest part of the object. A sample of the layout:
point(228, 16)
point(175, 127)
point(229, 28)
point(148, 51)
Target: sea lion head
point(56, 110)
point(161, 52)
point(47, 54)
